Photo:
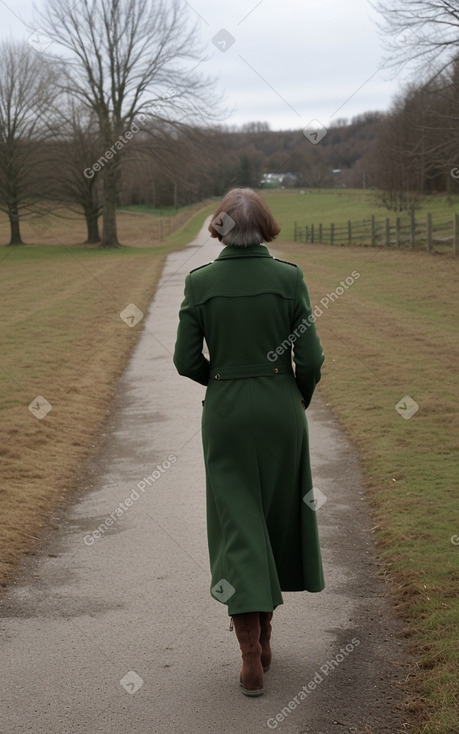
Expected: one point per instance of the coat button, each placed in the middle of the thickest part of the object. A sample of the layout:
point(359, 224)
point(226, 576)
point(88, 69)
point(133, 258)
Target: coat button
point(276, 370)
point(217, 376)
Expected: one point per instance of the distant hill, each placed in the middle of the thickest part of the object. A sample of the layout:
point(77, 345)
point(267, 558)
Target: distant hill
point(341, 158)
point(191, 163)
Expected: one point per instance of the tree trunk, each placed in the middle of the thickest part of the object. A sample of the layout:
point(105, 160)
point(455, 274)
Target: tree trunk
point(109, 230)
point(92, 225)
point(15, 227)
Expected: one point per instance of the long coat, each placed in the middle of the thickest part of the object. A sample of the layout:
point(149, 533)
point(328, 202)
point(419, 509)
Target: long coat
point(254, 313)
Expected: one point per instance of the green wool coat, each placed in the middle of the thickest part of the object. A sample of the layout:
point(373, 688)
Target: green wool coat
point(254, 313)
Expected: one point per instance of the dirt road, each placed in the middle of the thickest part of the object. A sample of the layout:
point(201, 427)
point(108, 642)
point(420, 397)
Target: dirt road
point(111, 628)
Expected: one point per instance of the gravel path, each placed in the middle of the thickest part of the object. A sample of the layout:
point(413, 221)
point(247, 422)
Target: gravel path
point(114, 630)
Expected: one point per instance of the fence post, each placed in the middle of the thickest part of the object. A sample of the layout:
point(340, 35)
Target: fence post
point(320, 233)
point(373, 230)
point(429, 232)
point(349, 231)
point(387, 232)
point(332, 234)
point(412, 228)
point(312, 233)
point(456, 234)
point(295, 231)
point(397, 231)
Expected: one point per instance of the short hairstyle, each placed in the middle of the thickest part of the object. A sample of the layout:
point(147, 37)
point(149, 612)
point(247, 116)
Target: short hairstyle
point(242, 218)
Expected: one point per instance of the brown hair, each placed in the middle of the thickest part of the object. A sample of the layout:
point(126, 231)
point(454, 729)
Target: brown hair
point(242, 218)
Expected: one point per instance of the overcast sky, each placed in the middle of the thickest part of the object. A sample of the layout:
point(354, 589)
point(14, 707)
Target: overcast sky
point(285, 62)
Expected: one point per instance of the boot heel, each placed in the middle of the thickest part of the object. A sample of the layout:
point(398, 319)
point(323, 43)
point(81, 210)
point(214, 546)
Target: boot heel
point(265, 639)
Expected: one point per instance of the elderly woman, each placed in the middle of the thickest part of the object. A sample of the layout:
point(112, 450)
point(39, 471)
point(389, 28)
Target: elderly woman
point(254, 313)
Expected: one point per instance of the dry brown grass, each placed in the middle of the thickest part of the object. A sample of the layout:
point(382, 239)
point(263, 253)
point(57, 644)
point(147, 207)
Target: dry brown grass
point(63, 338)
point(64, 227)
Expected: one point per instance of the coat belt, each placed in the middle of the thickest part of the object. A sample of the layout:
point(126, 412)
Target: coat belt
point(250, 370)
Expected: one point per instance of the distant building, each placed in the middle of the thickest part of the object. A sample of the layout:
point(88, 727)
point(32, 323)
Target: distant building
point(276, 180)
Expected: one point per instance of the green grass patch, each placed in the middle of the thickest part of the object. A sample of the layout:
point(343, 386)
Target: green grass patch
point(165, 211)
point(324, 206)
point(190, 229)
point(393, 333)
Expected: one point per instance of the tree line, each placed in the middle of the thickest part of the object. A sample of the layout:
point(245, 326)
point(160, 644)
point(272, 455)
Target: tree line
point(79, 87)
point(110, 114)
point(416, 151)
point(56, 151)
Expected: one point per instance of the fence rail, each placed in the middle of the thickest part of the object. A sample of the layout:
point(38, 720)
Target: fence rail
point(415, 233)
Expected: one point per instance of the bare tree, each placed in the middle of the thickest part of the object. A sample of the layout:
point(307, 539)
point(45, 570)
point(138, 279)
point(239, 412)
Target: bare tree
point(27, 87)
point(444, 121)
point(125, 60)
point(396, 157)
point(416, 151)
point(168, 165)
point(75, 147)
point(421, 32)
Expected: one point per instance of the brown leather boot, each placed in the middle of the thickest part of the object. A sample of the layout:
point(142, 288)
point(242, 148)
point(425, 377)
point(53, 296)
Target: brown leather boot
point(247, 627)
point(265, 637)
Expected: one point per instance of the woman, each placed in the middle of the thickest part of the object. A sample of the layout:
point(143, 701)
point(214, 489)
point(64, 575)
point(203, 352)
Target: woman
point(254, 313)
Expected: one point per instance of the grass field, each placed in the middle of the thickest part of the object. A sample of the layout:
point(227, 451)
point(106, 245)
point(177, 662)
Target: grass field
point(137, 225)
point(324, 206)
point(393, 333)
point(164, 211)
point(63, 339)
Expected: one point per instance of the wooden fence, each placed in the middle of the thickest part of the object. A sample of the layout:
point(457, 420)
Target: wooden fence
point(412, 232)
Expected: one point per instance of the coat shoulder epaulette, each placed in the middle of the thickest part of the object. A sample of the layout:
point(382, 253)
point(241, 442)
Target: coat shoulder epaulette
point(200, 267)
point(286, 262)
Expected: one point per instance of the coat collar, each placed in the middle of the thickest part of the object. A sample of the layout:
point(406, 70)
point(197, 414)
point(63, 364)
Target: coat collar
point(249, 251)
